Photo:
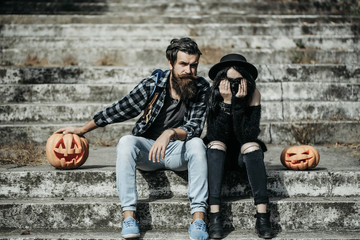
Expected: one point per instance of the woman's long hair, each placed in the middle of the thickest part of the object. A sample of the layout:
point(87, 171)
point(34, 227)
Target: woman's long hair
point(215, 96)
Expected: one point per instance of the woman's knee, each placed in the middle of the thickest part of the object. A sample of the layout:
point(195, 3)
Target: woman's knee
point(249, 147)
point(217, 145)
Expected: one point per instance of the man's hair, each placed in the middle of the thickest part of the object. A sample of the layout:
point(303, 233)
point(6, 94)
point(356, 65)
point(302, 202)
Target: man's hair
point(186, 45)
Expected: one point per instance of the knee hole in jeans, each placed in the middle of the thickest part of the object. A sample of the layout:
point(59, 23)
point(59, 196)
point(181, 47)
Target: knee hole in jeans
point(217, 145)
point(249, 147)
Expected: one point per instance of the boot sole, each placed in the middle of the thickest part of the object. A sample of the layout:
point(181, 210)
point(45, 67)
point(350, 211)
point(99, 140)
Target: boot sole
point(264, 236)
point(216, 237)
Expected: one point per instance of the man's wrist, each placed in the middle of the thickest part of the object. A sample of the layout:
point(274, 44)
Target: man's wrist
point(174, 135)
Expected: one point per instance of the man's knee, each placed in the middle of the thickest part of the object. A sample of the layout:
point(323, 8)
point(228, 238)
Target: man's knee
point(197, 141)
point(126, 146)
point(195, 144)
point(249, 147)
point(195, 148)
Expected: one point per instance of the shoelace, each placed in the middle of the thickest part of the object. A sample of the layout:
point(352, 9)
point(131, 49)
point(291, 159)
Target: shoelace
point(199, 226)
point(130, 223)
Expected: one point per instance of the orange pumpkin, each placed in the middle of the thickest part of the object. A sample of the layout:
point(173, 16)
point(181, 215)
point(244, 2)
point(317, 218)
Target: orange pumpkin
point(300, 157)
point(67, 151)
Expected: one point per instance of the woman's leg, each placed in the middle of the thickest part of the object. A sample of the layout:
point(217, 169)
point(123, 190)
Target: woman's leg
point(216, 154)
point(253, 158)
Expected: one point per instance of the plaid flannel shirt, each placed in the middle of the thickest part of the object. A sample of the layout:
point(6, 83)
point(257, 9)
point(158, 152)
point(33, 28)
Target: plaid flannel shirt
point(134, 103)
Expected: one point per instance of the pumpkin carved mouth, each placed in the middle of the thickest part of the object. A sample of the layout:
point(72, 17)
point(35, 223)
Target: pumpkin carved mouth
point(68, 154)
point(68, 157)
point(299, 157)
point(299, 160)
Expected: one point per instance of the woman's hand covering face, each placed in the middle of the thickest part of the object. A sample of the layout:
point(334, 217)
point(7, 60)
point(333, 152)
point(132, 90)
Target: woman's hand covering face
point(225, 90)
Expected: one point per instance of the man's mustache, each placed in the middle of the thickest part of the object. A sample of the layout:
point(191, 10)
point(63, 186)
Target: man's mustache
point(188, 77)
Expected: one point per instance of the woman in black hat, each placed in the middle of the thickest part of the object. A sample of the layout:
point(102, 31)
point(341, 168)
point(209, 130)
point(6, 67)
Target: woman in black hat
point(232, 138)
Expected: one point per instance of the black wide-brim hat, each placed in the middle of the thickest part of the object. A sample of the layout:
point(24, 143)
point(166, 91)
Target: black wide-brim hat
point(233, 59)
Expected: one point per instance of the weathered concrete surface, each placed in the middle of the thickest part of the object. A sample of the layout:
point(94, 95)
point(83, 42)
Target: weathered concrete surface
point(271, 111)
point(326, 214)
point(131, 57)
point(175, 7)
point(316, 132)
point(143, 17)
point(97, 93)
point(173, 234)
point(114, 30)
point(268, 73)
point(347, 41)
point(337, 175)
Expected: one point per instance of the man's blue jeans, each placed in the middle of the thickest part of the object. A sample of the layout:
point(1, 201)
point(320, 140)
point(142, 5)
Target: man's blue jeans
point(133, 152)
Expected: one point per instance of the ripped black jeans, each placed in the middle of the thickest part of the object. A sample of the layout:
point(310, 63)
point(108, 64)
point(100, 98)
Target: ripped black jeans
point(255, 168)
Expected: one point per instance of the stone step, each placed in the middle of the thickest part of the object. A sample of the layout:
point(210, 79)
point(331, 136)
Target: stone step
point(327, 214)
point(165, 234)
point(175, 7)
point(106, 93)
point(271, 111)
point(177, 30)
point(310, 73)
point(316, 132)
point(272, 42)
point(132, 57)
point(96, 178)
point(143, 17)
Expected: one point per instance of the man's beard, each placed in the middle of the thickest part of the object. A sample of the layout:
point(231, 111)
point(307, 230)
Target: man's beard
point(184, 85)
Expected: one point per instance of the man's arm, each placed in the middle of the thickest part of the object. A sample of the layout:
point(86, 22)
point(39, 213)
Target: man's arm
point(79, 130)
point(128, 107)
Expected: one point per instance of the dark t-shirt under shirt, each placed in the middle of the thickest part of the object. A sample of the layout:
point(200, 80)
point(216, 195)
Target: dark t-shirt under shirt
point(171, 116)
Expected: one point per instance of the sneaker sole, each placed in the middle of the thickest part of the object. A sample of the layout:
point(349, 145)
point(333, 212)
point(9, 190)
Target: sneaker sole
point(196, 238)
point(131, 236)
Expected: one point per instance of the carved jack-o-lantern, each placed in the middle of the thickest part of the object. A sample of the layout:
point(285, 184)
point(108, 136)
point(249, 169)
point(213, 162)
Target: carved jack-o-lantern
point(67, 151)
point(300, 157)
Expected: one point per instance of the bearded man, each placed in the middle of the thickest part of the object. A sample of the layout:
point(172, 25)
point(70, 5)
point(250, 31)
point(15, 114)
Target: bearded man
point(166, 137)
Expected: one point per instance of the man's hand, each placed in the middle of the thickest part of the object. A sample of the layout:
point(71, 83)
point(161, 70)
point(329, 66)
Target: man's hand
point(158, 148)
point(74, 130)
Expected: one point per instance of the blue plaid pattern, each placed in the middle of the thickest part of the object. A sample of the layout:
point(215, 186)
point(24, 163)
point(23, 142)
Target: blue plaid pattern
point(134, 103)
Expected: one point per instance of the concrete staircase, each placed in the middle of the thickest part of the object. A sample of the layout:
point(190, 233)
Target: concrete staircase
point(83, 203)
point(62, 61)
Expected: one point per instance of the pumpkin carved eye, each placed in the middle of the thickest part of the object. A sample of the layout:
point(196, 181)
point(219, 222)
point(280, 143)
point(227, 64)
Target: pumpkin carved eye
point(300, 157)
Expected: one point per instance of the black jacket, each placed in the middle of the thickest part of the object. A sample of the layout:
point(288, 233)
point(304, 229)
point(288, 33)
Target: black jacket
point(236, 129)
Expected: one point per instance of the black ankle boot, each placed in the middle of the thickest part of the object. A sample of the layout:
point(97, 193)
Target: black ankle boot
point(215, 226)
point(263, 225)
